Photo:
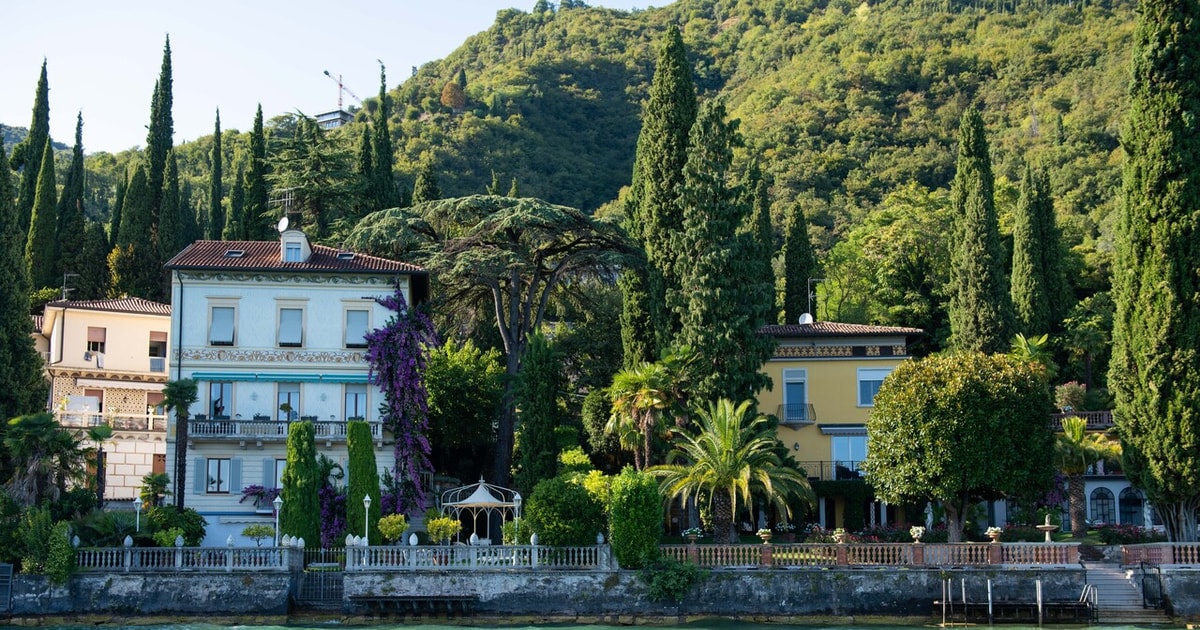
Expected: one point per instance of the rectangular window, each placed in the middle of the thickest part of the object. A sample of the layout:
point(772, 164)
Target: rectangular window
point(356, 328)
point(220, 399)
point(291, 327)
point(287, 402)
point(356, 402)
point(218, 476)
point(220, 331)
point(95, 339)
point(795, 396)
point(158, 351)
point(849, 451)
point(869, 380)
point(291, 252)
point(279, 466)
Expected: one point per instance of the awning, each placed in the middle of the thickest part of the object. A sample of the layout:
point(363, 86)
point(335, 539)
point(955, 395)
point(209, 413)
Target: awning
point(111, 384)
point(844, 429)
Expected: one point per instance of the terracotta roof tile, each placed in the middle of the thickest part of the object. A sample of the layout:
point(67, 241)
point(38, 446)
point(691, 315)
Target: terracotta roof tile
point(120, 305)
point(265, 256)
point(836, 329)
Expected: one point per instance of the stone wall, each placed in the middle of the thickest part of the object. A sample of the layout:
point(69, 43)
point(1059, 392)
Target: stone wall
point(1181, 589)
point(153, 594)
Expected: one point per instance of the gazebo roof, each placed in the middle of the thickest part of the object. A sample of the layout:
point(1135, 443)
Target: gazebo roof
point(480, 495)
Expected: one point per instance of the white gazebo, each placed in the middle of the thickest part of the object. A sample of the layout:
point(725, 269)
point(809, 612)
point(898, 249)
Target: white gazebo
point(482, 499)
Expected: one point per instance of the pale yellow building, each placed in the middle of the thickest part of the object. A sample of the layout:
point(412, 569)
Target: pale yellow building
point(107, 364)
point(825, 376)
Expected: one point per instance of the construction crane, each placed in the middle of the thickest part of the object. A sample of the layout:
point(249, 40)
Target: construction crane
point(342, 88)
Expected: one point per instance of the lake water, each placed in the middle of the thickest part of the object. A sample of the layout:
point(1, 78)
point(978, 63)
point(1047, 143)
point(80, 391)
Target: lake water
point(713, 624)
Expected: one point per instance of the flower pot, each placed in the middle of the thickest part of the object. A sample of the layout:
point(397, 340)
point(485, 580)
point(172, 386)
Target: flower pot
point(691, 539)
point(995, 537)
point(839, 539)
point(766, 538)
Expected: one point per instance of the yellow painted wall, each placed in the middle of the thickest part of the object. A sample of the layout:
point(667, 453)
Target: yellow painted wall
point(127, 339)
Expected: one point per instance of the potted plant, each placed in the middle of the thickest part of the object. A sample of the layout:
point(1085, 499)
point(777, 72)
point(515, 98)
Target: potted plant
point(786, 531)
point(392, 527)
point(840, 536)
point(692, 533)
point(916, 531)
point(765, 535)
point(258, 533)
point(442, 529)
point(994, 533)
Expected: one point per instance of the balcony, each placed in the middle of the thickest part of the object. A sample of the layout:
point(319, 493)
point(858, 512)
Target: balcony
point(118, 421)
point(832, 470)
point(1096, 420)
point(265, 428)
point(796, 414)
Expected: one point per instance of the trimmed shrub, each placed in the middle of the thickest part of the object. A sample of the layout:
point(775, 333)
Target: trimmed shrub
point(36, 530)
point(393, 526)
point(364, 480)
point(60, 559)
point(188, 521)
point(564, 513)
point(1128, 535)
point(635, 518)
point(301, 513)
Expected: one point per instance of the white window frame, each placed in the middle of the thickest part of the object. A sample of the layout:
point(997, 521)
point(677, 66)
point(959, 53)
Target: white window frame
point(292, 252)
point(293, 399)
point(349, 336)
point(869, 375)
point(795, 375)
point(287, 317)
point(222, 303)
point(850, 458)
point(360, 404)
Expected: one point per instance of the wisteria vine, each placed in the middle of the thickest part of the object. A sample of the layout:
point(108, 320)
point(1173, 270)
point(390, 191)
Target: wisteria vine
point(396, 354)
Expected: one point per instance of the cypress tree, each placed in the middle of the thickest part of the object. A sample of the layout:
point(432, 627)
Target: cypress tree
point(1035, 256)
point(762, 237)
point(216, 192)
point(235, 229)
point(720, 310)
point(118, 209)
point(93, 267)
point(40, 246)
point(258, 224)
point(799, 264)
point(426, 187)
point(384, 183)
point(301, 512)
point(652, 216)
point(27, 156)
point(159, 139)
point(134, 263)
point(513, 191)
point(21, 387)
point(363, 481)
point(981, 314)
point(170, 218)
point(71, 219)
point(538, 392)
point(366, 173)
point(1155, 368)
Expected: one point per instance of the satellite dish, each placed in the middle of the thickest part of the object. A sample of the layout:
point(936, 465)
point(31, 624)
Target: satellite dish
point(283, 224)
point(805, 319)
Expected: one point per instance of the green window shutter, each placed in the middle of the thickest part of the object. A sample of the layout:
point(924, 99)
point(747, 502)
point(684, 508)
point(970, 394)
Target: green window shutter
point(268, 472)
point(199, 475)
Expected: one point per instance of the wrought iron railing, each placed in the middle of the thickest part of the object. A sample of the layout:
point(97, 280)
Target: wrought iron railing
point(796, 414)
point(832, 471)
point(1096, 420)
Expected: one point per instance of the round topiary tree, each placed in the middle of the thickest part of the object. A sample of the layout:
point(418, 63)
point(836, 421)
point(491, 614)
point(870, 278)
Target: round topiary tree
point(635, 518)
point(564, 513)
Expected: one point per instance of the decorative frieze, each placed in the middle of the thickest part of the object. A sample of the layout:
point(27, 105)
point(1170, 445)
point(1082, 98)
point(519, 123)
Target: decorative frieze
point(793, 352)
point(274, 356)
point(383, 280)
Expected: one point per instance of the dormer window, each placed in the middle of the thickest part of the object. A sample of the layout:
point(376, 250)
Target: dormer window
point(291, 252)
point(234, 253)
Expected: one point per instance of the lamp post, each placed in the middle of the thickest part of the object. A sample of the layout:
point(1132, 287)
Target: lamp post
point(366, 519)
point(278, 503)
point(137, 508)
point(517, 503)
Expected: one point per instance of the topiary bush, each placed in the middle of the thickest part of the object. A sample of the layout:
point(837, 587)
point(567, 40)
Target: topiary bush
point(393, 526)
point(635, 518)
point(188, 521)
point(60, 557)
point(258, 532)
point(564, 513)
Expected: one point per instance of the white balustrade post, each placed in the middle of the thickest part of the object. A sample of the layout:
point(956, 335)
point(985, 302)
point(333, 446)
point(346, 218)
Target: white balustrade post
point(178, 552)
point(127, 556)
point(229, 554)
point(533, 551)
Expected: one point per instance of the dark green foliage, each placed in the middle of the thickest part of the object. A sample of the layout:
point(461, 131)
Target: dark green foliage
point(539, 389)
point(71, 219)
point(92, 283)
point(981, 316)
point(635, 515)
point(60, 556)
point(40, 246)
point(670, 579)
point(426, 187)
point(799, 264)
point(1037, 277)
point(27, 156)
point(135, 264)
point(235, 224)
point(187, 521)
point(160, 134)
point(258, 221)
point(719, 302)
point(118, 210)
point(364, 480)
point(653, 216)
point(317, 168)
point(105, 528)
point(761, 238)
point(382, 183)
point(564, 513)
point(465, 387)
point(603, 446)
point(35, 530)
point(216, 190)
point(516, 532)
point(959, 428)
point(171, 222)
point(637, 331)
point(301, 512)
point(1155, 371)
point(365, 169)
point(855, 494)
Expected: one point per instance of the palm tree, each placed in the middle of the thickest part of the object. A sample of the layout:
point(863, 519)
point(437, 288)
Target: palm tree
point(1076, 450)
point(1034, 349)
point(179, 395)
point(45, 456)
point(732, 456)
point(640, 395)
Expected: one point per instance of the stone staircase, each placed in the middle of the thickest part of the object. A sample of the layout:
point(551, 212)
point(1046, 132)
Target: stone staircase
point(1119, 597)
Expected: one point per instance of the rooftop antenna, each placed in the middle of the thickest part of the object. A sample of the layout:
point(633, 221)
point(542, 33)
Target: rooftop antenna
point(65, 289)
point(811, 294)
point(285, 200)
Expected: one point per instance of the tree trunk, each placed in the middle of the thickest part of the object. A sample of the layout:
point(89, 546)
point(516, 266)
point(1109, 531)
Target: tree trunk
point(722, 512)
point(502, 467)
point(1078, 501)
point(181, 440)
point(954, 524)
point(1179, 519)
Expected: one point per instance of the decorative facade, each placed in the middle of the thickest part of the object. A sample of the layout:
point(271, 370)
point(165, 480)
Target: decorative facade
point(273, 333)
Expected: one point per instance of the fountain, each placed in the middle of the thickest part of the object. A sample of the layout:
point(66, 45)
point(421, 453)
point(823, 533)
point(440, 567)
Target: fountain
point(1047, 528)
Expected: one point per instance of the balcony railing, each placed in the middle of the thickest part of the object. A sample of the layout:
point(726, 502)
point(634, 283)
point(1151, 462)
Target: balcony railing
point(121, 421)
point(832, 471)
point(796, 414)
point(266, 428)
point(1096, 420)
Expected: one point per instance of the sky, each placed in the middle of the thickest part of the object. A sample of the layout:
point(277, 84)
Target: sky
point(103, 57)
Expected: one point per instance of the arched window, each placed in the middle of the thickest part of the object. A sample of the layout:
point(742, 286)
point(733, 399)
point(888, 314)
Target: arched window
point(1132, 504)
point(1103, 506)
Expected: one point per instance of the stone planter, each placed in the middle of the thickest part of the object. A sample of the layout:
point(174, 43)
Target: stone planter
point(766, 538)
